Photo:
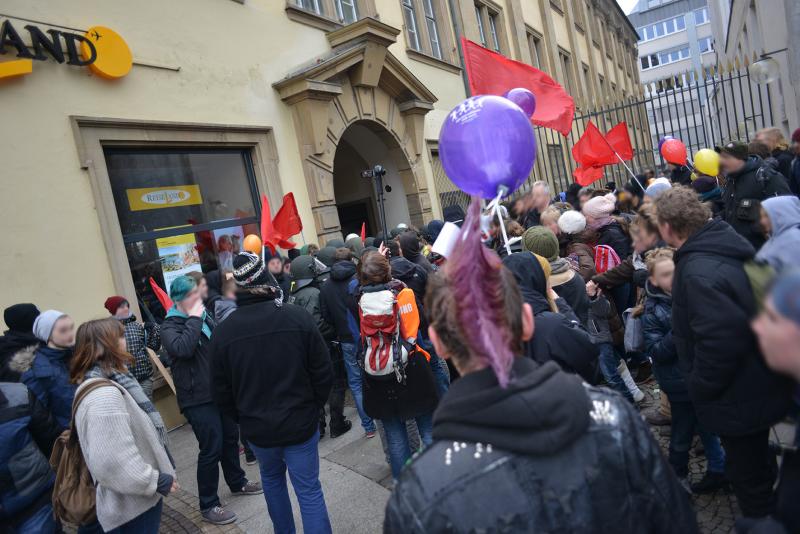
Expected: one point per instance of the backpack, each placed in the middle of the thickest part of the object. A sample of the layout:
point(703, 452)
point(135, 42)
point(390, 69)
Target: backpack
point(383, 351)
point(74, 489)
point(605, 258)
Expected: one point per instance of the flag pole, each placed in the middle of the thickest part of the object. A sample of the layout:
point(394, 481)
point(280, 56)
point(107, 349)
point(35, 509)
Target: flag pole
point(635, 179)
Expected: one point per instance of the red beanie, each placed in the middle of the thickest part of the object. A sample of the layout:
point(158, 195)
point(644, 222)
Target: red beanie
point(796, 136)
point(113, 303)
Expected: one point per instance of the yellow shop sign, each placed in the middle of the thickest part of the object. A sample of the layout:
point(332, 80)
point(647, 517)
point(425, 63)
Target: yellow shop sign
point(153, 198)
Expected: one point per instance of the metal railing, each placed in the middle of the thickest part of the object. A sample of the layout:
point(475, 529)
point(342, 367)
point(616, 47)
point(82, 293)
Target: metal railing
point(703, 109)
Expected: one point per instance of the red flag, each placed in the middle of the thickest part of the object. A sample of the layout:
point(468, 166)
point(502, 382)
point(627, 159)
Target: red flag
point(619, 139)
point(588, 175)
point(363, 232)
point(161, 295)
point(494, 74)
point(286, 224)
point(592, 151)
point(266, 224)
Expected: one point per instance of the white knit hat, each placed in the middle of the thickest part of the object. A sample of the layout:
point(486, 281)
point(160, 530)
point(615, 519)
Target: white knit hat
point(572, 222)
point(44, 324)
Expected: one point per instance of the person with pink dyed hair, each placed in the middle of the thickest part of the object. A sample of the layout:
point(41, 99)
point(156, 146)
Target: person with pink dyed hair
point(520, 446)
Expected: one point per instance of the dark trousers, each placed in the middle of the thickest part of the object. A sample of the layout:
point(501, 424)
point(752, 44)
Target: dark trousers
point(218, 437)
point(147, 522)
point(751, 467)
point(336, 396)
point(684, 426)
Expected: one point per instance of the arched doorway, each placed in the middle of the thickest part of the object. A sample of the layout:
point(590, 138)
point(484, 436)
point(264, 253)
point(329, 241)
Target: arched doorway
point(363, 145)
point(359, 104)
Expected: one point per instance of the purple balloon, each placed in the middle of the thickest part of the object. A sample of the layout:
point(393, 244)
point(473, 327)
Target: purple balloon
point(485, 143)
point(662, 140)
point(524, 99)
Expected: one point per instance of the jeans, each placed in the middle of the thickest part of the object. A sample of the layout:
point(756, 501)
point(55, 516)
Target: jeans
point(609, 361)
point(397, 440)
point(147, 522)
point(751, 467)
point(218, 437)
point(684, 427)
point(441, 373)
point(302, 461)
point(41, 522)
point(354, 381)
point(147, 387)
point(336, 396)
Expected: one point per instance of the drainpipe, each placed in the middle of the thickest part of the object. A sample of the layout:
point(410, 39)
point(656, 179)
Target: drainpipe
point(458, 32)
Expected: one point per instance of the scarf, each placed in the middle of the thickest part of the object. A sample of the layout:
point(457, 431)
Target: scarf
point(175, 312)
point(561, 272)
point(133, 388)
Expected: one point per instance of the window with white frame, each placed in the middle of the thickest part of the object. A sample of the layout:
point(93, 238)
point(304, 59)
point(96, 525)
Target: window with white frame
point(701, 16)
point(433, 29)
point(535, 46)
point(313, 6)
point(661, 28)
point(481, 29)
point(706, 45)
point(410, 16)
point(493, 30)
point(346, 11)
point(489, 26)
point(666, 57)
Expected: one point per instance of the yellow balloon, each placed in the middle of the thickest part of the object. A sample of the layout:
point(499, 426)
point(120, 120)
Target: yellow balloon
point(706, 161)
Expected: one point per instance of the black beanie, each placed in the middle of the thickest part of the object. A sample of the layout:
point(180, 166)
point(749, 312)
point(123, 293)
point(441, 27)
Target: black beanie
point(20, 317)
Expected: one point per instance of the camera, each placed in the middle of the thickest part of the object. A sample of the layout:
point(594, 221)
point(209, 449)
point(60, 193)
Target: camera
point(376, 172)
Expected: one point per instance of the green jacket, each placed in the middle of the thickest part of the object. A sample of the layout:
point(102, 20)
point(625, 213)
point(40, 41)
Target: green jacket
point(308, 298)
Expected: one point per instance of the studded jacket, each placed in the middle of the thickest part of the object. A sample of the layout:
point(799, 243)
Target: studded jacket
point(547, 454)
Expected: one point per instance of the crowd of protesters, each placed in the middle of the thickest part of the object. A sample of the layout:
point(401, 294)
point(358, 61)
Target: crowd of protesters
point(504, 378)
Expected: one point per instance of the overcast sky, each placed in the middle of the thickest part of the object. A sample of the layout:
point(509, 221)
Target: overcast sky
point(627, 5)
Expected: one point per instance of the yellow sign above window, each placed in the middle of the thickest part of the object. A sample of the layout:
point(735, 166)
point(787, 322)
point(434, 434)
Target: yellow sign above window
point(153, 198)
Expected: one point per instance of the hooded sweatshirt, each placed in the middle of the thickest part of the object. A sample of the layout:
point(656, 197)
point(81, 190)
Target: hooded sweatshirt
point(782, 250)
point(412, 250)
point(336, 302)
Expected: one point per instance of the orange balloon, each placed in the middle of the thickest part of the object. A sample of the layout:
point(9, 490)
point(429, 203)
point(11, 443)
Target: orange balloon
point(252, 243)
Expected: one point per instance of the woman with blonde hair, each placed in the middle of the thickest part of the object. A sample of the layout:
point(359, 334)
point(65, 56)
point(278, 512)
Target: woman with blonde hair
point(122, 436)
point(778, 148)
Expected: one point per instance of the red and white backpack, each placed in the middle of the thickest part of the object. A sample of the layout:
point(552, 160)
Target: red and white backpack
point(383, 352)
point(605, 258)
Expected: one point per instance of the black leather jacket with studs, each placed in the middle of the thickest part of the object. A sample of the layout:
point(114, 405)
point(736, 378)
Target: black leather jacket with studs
point(546, 454)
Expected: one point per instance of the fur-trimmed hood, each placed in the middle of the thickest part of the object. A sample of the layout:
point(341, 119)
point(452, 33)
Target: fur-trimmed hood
point(22, 360)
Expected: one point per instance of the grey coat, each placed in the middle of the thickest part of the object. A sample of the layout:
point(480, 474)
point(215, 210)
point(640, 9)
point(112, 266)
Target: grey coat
point(597, 325)
point(782, 250)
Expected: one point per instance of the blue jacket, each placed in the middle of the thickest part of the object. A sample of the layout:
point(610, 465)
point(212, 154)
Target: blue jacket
point(659, 346)
point(27, 435)
point(47, 376)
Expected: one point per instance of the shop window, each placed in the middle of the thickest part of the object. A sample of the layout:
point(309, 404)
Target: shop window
point(181, 210)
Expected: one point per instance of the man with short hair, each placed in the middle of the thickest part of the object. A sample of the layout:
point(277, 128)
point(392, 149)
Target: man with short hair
point(735, 396)
point(748, 183)
point(536, 202)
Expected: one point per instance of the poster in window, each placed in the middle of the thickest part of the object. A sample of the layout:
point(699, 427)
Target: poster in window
point(178, 256)
point(229, 243)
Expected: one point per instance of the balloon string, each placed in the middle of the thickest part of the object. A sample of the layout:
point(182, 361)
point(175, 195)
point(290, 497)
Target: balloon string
point(501, 191)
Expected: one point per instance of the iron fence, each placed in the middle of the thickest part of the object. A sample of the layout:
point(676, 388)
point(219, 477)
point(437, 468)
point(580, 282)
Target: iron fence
point(703, 109)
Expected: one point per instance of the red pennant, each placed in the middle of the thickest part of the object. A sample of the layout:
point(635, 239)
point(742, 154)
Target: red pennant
point(286, 224)
point(620, 141)
point(266, 224)
point(161, 295)
point(363, 232)
point(494, 74)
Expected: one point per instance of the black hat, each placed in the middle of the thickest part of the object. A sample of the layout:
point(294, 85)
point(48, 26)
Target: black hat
point(20, 317)
point(293, 253)
point(737, 149)
point(250, 272)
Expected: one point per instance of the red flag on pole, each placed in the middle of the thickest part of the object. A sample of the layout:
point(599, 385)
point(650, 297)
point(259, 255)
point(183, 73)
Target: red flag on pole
point(161, 295)
point(620, 141)
point(363, 232)
point(592, 152)
point(494, 74)
point(266, 224)
point(286, 224)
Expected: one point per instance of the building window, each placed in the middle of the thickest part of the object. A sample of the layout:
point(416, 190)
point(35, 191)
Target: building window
point(666, 57)
point(313, 6)
point(580, 19)
point(488, 26)
point(555, 155)
point(535, 46)
point(701, 16)
point(566, 64)
point(433, 30)
point(346, 11)
point(586, 81)
point(177, 212)
point(706, 45)
point(662, 28)
point(410, 15)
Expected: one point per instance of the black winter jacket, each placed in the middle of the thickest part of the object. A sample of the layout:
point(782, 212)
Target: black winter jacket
point(615, 237)
point(681, 175)
point(307, 297)
point(743, 193)
point(188, 349)
point(784, 158)
point(545, 454)
point(556, 337)
point(271, 371)
point(336, 302)
point(733, 391)
point(659, 345)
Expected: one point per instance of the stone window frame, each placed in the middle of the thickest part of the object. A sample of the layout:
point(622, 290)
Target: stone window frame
point(449, 60)
point(490, 10)
point(327, 20)
point(93, 134)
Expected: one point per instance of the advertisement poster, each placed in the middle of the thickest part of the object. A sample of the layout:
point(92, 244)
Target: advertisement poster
point(178, 256)
point(229, 243)
point(151, 198)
